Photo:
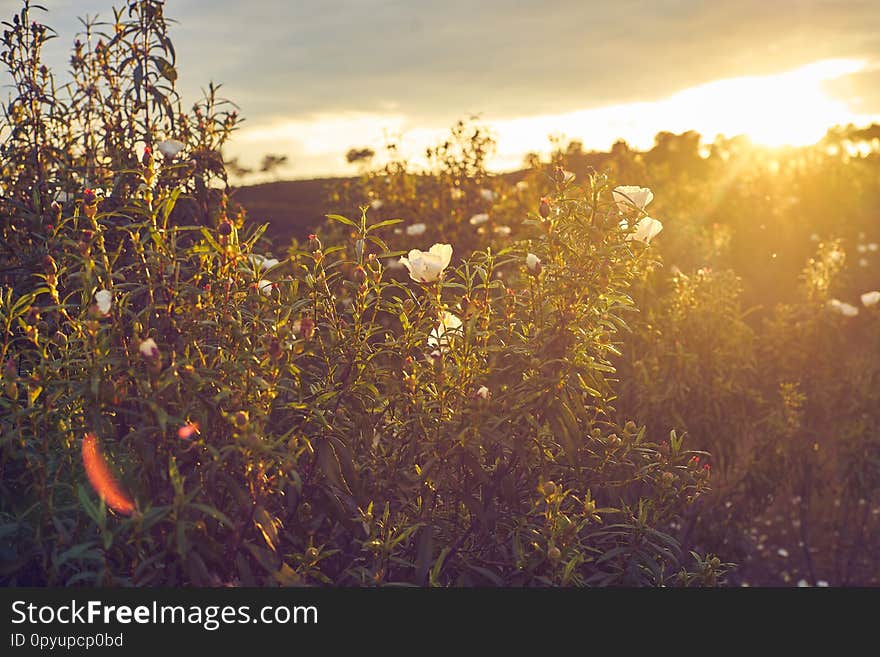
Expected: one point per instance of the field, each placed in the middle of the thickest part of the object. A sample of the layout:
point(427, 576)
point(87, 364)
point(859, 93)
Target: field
point(655, 367)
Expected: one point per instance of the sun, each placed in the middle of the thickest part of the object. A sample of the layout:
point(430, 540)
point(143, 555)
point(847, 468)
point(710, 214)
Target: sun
point(787, 109)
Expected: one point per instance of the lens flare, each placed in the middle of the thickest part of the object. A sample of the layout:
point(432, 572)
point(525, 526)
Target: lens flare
point(101, 478)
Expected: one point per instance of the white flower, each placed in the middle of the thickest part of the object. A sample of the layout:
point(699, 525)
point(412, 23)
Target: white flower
point(482, 392)
point(170, 148)
point(646, 229)
point(782, 552)
point(504, 231)
point(441, 334)
point(427, 266)
point(522, 186)
point(802, 583)
point(376, 204)
point(870, 298)
point(821, 582)
point(104, 299)
point(487, 194)
point(863, 262)
point(845, 309)
point(568, 177)
point(416, 229)
point(262, 262)
point(533, 263)
point(148, 348)
point(873, 246)
point(478, 219)
point(265, 287)
point(63, 197)
point(862, 248)
point(632, 197)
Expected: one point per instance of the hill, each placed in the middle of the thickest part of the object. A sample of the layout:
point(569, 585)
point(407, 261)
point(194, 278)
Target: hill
point(293, 208)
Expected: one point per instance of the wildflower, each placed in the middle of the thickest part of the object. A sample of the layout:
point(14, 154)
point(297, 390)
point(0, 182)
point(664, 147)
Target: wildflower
point(148, 348)
point(170, 148)
point(632, 197)
point(187, 430)
point(533, 264)
point(102, 479)
point(442, 333)
point(487, 195)
point(823, 583)
point(845, 309)
point(782, 552)
point(863, 262)
point(147, 159)
point(482, 393)
point(862, 248)
point(479, 219)
point(802, 583)
point(416, 229)
point(104, 299)
point(265, 287)
point(262, 262)
point(376, 204)
point(870, 298)
point(873, 246)
point(428, 266)
point(503, 231)
point(645, 230)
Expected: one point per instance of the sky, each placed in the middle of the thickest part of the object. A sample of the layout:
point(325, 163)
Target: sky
point(314, 78)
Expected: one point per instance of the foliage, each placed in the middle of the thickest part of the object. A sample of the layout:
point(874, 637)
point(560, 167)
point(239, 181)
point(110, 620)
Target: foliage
point(180, 409)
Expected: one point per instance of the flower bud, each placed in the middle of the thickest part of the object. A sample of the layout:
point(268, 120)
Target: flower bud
point(240, 420)
point(544, 208)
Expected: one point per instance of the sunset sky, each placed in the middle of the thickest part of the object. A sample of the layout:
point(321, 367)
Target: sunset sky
point(316, 77)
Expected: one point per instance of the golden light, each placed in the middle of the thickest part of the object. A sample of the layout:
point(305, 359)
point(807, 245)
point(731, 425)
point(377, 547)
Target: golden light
point(790, 108)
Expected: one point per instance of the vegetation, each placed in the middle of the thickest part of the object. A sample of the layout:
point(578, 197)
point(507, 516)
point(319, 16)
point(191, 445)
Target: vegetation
point(457, 379)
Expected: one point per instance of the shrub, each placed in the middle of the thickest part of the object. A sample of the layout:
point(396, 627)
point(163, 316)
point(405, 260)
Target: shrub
point(179, 409)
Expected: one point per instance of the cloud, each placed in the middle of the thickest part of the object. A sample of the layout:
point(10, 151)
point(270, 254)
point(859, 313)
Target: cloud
point(318, 64)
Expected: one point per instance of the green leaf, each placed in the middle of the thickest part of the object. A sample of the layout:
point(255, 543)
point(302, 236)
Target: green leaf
point(86, 501)
point(216, 514)
point(341, 219)
point(268, 527)
point(383, 224)
point(166, 70)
